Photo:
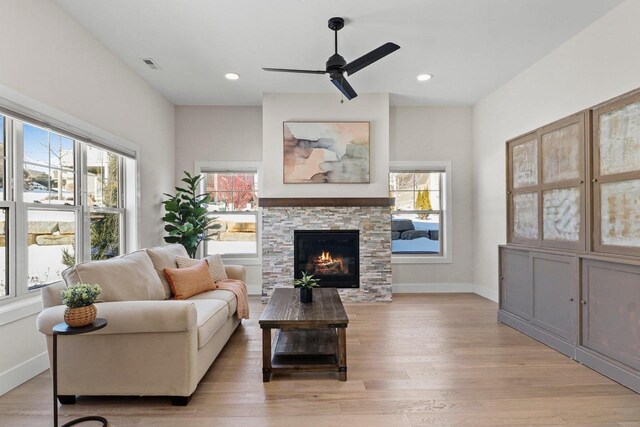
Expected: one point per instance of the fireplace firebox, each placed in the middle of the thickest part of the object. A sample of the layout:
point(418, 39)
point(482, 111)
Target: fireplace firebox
point(333, 256)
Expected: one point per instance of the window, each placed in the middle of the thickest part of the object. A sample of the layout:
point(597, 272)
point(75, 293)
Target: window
point(49, 178)
point(4, 253)
point(104, 197)
point(67, 205)
point(4, 218)
point(420, 220)
point(234, 199)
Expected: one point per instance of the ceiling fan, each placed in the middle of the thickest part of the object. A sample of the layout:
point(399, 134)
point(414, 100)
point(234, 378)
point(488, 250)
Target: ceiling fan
point(337, 66)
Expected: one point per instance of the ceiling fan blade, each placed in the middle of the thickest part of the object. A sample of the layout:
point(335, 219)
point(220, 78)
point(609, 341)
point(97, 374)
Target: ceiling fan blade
point(369, 58)
point(343, 85)
point(289, 70)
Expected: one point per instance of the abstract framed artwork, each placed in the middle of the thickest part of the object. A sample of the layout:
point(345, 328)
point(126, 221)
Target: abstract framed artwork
point(326, 152)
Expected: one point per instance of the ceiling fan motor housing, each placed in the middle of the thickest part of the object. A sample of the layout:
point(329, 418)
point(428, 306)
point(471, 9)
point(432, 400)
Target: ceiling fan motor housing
point(336, 23)
point(335, 63)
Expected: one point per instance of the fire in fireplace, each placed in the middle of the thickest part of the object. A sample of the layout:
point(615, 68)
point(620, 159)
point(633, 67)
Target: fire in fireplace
point(330, 255)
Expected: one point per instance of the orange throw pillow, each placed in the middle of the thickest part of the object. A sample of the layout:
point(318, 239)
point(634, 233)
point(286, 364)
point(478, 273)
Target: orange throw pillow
point(190, 281)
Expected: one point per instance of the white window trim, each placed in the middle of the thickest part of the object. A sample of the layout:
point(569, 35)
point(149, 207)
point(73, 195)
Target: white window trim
point(24, 303)
point(447, 250)
point(237, 166)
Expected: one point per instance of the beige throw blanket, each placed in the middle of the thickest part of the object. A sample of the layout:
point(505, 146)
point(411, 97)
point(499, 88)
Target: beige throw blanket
point(240, 290)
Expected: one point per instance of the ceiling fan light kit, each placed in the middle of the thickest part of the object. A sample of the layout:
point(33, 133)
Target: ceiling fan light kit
point(336, 65)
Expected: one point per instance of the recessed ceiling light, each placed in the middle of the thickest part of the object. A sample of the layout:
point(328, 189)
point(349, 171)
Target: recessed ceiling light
point(424, 77)
point(232, 76)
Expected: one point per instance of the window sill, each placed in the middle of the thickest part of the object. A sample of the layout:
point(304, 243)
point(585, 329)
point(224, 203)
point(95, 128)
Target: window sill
point(19, 309)
point(241, 261)
point(420, 259)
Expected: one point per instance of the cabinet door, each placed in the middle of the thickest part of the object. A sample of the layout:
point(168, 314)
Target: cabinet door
point(554, 294)
point(611, 310)
point(516, 282)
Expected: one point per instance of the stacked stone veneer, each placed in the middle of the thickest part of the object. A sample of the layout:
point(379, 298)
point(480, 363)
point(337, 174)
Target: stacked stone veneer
point(279, 223)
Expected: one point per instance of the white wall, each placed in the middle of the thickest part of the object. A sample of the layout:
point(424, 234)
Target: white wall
point(49, 58)
point(225, 133)
point(280, 107)
point(217, 133)
point(220, 134)
point(438, 133)
point(597, 64)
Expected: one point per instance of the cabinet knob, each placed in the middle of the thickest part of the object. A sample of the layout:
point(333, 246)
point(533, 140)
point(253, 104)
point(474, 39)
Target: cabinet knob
point(583, 302)
point(501, 277)
point(594, 180)
point(571, 299)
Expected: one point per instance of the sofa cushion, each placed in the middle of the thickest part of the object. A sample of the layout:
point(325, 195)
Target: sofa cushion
point(216, 268)
point(211, 315)
point(221, 295)
point(165, 257)
point(190, 281)
point(129, 277)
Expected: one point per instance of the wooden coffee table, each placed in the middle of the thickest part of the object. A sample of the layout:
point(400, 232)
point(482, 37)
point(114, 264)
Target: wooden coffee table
point(311, 337)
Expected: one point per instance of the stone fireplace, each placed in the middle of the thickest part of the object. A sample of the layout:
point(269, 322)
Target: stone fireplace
point(369, 219)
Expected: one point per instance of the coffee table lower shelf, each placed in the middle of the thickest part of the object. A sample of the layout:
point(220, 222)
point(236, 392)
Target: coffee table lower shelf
point(314, 350)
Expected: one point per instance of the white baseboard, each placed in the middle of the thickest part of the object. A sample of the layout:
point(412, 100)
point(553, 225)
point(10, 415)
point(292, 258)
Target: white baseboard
point(429, 288)
point(487, 293)
point(22, 373)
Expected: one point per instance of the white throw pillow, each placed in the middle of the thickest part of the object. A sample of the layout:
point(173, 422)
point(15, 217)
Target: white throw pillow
point(165, 257)
point(216, 267)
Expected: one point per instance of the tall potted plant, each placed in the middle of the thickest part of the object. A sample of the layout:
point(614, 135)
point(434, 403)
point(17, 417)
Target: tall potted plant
point(187, 220)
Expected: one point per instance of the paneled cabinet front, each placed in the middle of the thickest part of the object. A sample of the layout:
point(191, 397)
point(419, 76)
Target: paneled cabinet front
point(517, 290)
point(611, 310)
point(555, 287)
point(539, 296)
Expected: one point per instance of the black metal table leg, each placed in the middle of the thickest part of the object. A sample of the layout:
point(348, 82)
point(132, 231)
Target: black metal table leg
point(64, 329)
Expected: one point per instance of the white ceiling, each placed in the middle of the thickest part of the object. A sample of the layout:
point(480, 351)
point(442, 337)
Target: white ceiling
point(470, 46)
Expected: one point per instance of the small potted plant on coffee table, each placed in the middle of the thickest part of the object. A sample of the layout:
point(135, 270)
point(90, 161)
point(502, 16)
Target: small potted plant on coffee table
point(306, 285)
point(79, 300)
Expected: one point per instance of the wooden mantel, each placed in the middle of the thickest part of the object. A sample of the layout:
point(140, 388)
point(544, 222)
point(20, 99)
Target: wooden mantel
point(288, 202)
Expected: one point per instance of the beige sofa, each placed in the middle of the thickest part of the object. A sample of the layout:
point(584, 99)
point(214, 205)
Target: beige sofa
point(151, 346)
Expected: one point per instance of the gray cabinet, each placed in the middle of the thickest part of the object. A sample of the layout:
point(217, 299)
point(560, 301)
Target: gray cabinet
point(585, 306)
point(611, 310)
point(554, 280)
point(516, 279)
point(538, 296)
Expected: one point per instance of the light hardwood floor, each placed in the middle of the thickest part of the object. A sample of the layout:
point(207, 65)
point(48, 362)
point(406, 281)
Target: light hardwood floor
point(421, 360)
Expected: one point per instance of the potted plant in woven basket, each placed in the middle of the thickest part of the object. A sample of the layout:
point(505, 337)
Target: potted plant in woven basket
point(306, 285)
point(79, 300)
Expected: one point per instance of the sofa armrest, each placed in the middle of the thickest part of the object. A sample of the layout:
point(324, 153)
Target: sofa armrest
point(127, 317)
point(237, 272)
point(51, 294)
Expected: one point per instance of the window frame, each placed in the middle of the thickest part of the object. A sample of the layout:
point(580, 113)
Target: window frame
point(22, 268)
point(446, 217)
point(121, 210)
point(236, 167)
point(21, 299)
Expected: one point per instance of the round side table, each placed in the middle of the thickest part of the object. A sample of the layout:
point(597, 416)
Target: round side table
point(64, 329)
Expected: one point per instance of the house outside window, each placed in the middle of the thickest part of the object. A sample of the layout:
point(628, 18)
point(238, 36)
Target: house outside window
point(420, 219)
point(234, 206)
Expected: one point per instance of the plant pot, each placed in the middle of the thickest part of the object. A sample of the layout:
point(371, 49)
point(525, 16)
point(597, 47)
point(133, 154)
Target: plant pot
point(80, 316)
point(306, 295)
